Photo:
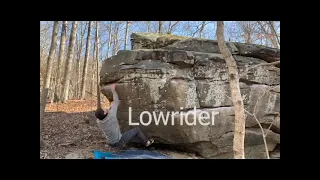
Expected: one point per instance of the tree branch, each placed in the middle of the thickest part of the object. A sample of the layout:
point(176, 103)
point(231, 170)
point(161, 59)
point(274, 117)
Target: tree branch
point(264, 133)
point(275, 32)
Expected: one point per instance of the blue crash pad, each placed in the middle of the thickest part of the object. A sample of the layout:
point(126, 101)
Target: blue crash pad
point(130, 154)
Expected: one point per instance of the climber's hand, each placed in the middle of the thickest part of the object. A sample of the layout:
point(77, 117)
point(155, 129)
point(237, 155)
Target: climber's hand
point(113, 86)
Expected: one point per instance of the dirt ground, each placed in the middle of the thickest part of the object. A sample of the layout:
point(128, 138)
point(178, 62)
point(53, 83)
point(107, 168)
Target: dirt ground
point(70, 130)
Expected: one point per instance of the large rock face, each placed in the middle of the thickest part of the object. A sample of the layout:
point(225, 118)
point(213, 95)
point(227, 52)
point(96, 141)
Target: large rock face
point(187, 78)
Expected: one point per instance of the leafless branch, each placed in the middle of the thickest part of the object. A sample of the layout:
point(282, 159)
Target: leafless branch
point(272, 124)
point(274, 31)
point(264, 133)
point(199, 28)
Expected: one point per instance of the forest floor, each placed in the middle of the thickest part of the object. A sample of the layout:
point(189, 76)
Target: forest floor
point(70, 129)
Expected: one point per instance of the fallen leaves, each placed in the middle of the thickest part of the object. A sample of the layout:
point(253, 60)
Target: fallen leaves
point(70, 130)
point(66, 129)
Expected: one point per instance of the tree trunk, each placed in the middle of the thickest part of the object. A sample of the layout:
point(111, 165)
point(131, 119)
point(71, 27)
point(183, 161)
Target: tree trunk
point(93, 68)
point(97, 65)
point(85, 66)
point(160, 26)
point(171, 26)
point(148, 26)
point(126, 35)
point(69, 61)
point(40, 44)
point(202, 29)
point(271, 38)
point(274, 39)
point(51, 54)
point(60, 60)
point(43, 102)
point(109, 41)
point(79, 64)
point(239, 131)
point(48, 76)
point(53, 85)
point(246, 28)
point(116, 40)
point(79, 43)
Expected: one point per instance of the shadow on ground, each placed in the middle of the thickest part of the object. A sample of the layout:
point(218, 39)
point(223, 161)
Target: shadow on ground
point(78, 133)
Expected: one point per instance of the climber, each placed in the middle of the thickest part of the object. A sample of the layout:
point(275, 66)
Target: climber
point(109, 125)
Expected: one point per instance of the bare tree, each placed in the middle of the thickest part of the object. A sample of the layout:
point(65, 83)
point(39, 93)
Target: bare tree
point(97, 65)
point(43, 102)
point(248, 29)
point(171, 26)
point(40, 45)
point(80, 46)
point(48, 75)
point(199, 28)
point(148, 26)
point(60, 60)
point(239, 131)
point(202, 29)
point(85, 66)
point(264, 133)
point(109, 39)
point(269, 35)
point(160, 27)
point(126, 35)
point(45, 39)
point(51, 54)
point(68, 68)
point(274, 33)
point(93, 67)
point(116, 39)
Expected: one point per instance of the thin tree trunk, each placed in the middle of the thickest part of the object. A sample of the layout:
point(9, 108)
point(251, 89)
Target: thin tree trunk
point(202, 29)
point(79, 64)
point(78, 61)
point(57, 89)
point(247, 36)
point(53, 85)
point(48, 75)
point(126, 35)
point(51, 54)
point(171, 26)
point(85, 66)
point(74, 75)
point(275, 38)
point(114, 39)
point(43, 102)
point(109, 41)
point(41, 54)
point(148, 26)
point(115, 43)
point(69, 60)
point(93, 68)
point(160, 26)
point(245, 26)
point(109, 45)
point(272, 39)
point(97, 65)
point(239, 131)
point(40, 46)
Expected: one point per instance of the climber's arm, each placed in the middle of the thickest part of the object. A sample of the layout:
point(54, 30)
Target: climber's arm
point(115, 102)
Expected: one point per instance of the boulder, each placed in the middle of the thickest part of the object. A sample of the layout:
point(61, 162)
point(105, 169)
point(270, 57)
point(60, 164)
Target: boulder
point(179, 93)
point(153, 40)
